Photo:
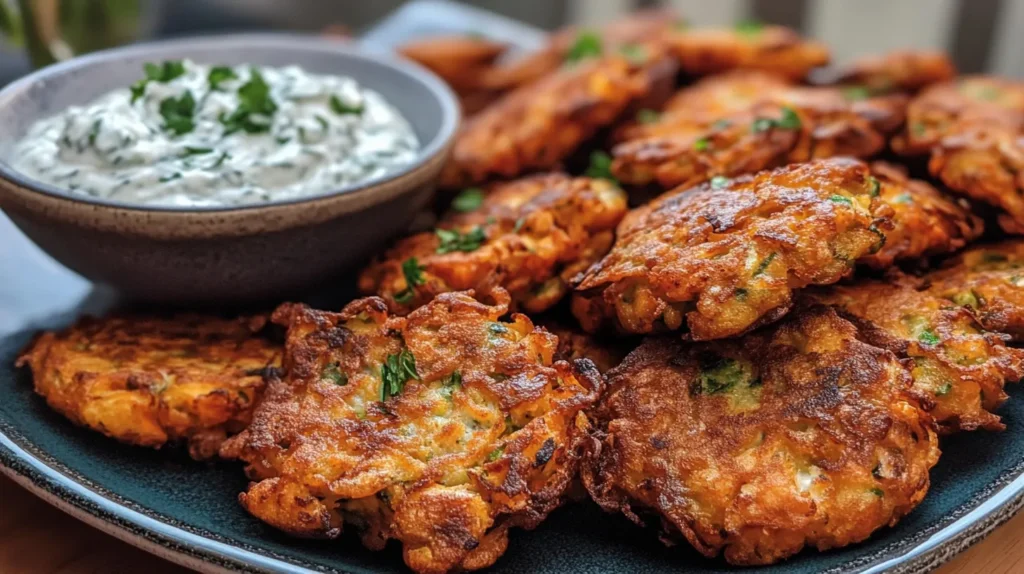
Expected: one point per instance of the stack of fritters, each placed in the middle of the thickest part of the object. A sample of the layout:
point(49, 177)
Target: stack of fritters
point(775, 381)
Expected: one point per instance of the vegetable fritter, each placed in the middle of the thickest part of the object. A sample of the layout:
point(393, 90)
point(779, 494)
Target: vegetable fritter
point(724, 258)
point(796, 435)
point(442, 429)
point(748, 46)
point(899, 71)
point(954, 362)
point(151, 382)
point(536, 127)
point(988, 280)
point(529, 236)
point(463, 62)
point(926, 222)
point(573, 343)
point(786, 125)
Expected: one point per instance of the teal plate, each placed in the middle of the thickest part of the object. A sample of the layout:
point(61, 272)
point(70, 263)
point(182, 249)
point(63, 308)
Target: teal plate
point(188, 511)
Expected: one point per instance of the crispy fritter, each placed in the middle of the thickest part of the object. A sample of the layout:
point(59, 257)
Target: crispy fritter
point(787, 125)
point(441, 430)
point(898, 71)
point(772, 49)
point(943, 109)
point(150, 382)
point(954, 362)
point(724, 258)
point(926, 222)
point(536, 127)
point(458, 60)
point(529, 236)
point(988, 280)
point(573, 343)
point(796, 435)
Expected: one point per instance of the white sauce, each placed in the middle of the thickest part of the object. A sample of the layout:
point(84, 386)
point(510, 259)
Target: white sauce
point(326, 132)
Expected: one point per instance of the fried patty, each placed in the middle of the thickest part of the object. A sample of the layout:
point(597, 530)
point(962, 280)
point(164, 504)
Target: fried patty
point(773, 49)
point(955, 363)
point(926, 222)
point(150, 382)
point(988, 280)
point(796, 435)
point(897, 71)
point(537, 126)
point(785, 125)
point(725, 257)
point(441, 430)
point(574, 343)
point(529, 236)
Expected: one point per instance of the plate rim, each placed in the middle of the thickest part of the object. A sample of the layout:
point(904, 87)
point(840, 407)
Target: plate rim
point(52, 481)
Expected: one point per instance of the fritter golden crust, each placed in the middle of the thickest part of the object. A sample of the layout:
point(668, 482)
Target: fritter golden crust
point(944, 109)
point(788, 125)
point(772, 49)
point(150, 382)
point(926, 222)
point(458, 60)
point(954, 362)
point(797, 435)
point(530, 236)
point(899, 71)
point(988, 280)
point(477, 431)
point(724, 258)
point(573, 343)
point(536, 127)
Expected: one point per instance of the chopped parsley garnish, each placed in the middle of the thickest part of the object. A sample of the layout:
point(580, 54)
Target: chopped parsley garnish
point(163, 73)
point(856, 93)
point(647, 116)
point(219, 75)
point(721, 374)
point(878, 492)
point(413, 273)
point(635, 53)
point(763, 265)
point(702, 144)
point(333, 374)
point(396, 371)
point(600, 166)
point(874, 186)
point(719, 182)
point(223, 156)
point(189, 150)
point(178, 113)
point(94, 131)
point(789, 120)
point(836, 198)
point(470, 199)
point(881, 238)
point(341, 108)
point(452, 380)
point(587, 45)
point(928, 337)
point(496, 454)
point(452, 240)
point(255, 106)
point(172, 177)
point(749, 27)
point(967, 299)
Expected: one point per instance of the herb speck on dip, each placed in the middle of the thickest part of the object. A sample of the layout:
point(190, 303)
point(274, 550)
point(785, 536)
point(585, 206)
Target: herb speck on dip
point(192, 135)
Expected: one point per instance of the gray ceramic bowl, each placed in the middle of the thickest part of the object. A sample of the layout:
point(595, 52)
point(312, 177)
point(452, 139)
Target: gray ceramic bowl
point(223, 254)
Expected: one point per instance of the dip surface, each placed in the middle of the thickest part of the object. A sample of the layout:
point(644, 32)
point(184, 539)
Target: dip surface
point(192, 135)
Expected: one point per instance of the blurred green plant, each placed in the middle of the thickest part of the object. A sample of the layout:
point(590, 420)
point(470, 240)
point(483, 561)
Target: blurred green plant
point(52, 30)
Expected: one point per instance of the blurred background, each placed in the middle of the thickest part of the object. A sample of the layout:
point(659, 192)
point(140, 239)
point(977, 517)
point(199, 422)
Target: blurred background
point(982, 35)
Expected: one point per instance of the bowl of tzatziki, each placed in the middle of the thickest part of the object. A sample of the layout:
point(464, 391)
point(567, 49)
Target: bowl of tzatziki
point(227, 168)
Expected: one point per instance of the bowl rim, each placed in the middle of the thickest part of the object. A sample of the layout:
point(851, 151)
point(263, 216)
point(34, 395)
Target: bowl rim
point(451, 114)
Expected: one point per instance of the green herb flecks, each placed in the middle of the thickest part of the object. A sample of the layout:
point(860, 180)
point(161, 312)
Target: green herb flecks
point(702, 144)
point(587, 45)
point(496, 454)
point(470, 199)
point(763, 265)
point(497, 329)
point(162, 73)
point(877, 492)
point(944, 389)
point(332, 374)
point(719, 182)
point(453, 240)
point(928, 337)
point(881, 238)
point(255, 107)
point(341, 108)
point(647, 116)
point(189, 150)
point(720, 374)
point(788, 120)
point(453, 380)
point(396, 371)
point(749, 27)
point(178, 113)
point(600, 166)
point(856, 93)
point(635, 53)
point(874, 186)
point(836, 198)
point(413, 273)
point(218, 75)
point(967, 299)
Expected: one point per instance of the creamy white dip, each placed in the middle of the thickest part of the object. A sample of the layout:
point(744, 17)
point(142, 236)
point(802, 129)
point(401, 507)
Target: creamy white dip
point(196, 135)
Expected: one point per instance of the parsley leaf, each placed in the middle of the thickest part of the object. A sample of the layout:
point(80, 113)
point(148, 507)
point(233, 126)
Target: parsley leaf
point(749, 27)
point(452, 380)
point(856, 93)
point(788, 121)
point(702, 144)
point(413, 273)
point(928, 337)
point(341, 108)
point(452, 240)
point(163, 73)
point(255, 106)
point(470, 199)
point(587, 45)
point(219, 75)
point(396, 371)
point(874, 185)
point(189, 150)
point(836, 198)
point(496, 454)
point(600, 166)
point(333, 374)
point(178, 113)
point(763, 265)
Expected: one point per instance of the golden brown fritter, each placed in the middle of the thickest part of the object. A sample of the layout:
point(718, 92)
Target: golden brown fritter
point(943, 109)
point(458, 60)
point(788, 125)
point(536, 127)
point(530, 236)
point(898, 71)
point(926, 222)
point(150, 382)
point(724, 258)
point(749, 46)
point(988, 280)
point(442, 429)
point(573, 343)
point(954, 362)
point(796, 435)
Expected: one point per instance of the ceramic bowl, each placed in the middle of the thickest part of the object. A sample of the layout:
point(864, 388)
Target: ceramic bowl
point(215, 255)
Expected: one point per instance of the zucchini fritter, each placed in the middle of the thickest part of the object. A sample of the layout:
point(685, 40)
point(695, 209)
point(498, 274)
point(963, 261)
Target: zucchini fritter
point(954, 362)
point(785, 125)
point(529, 236)
point(748, 46)
point(926, 222)
point(573, 343)
point(796, 435)
point(536, 127)
point(898, 71)
point(988, 280)
point(442, 429)
point(724, 258)
point(151, 382)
